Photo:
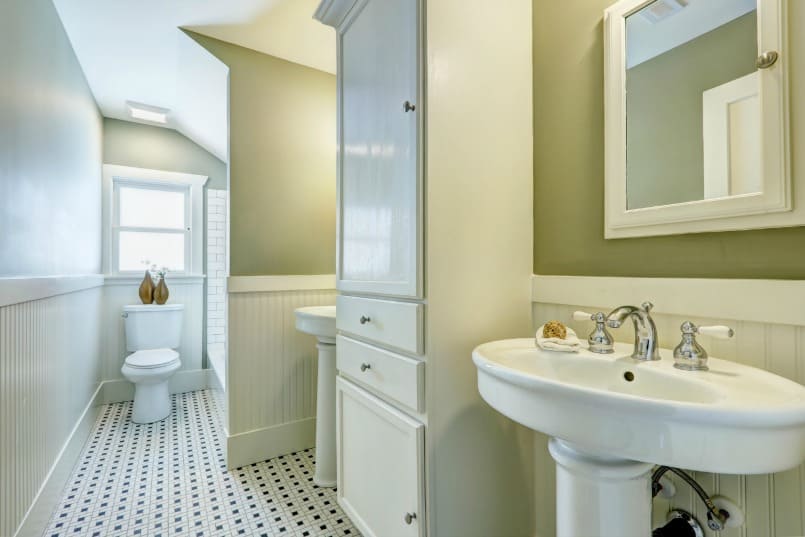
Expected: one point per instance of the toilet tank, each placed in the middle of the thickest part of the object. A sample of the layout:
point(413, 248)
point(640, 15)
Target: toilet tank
point(151, 326)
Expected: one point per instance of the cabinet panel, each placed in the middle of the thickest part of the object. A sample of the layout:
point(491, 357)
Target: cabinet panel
point(396, 324)
point(380, 465)
point(399, 377)
point(379, 182)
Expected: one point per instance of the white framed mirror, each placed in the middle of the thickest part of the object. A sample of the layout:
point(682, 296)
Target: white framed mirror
point(696, 117)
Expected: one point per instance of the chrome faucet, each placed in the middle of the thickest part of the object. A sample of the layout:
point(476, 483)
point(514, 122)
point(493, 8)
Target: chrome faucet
point(645, 338)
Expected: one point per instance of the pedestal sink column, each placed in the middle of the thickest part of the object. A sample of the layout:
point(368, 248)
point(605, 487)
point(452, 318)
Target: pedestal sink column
point(600, 495)
point(325, 475)
point(320, 322)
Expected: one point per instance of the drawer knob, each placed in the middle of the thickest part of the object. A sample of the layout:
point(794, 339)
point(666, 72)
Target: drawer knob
point(408, 106)
point(365, 319)
point(409, 518)
point(364, 367)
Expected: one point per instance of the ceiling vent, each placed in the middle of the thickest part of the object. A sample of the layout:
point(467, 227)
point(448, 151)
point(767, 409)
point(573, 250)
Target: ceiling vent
point(662, 9)
point(145, 112)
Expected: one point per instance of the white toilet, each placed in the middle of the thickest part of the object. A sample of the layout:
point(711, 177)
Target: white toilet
point(152, 332)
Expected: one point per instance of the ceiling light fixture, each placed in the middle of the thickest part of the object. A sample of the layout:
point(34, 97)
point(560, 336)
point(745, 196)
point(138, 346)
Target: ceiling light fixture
point(146, 112)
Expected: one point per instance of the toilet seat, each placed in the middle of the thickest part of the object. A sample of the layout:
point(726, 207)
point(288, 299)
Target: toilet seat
point(152, 358)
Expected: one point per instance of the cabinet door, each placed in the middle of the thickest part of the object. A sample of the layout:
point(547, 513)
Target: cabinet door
point(379, 235)
point(380, 465)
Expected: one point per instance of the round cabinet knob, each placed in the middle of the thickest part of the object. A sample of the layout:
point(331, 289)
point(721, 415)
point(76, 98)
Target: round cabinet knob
point(408, 106)
point(364, 367)
point(767, 59)
point(365, 319)
point(409, 518)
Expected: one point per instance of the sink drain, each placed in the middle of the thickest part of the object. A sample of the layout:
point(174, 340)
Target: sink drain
point(629, 376)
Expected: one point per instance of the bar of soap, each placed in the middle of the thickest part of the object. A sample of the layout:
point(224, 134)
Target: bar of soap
point(554, 329)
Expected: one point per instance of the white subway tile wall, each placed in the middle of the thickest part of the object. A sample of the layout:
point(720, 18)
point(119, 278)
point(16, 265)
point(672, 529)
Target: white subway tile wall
point(216, 266)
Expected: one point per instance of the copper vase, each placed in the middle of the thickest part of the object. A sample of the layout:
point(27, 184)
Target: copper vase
point(147, 289)
point(161, 293)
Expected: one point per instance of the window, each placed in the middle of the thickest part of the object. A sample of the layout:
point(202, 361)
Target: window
point(153, 215)
point(151, 222)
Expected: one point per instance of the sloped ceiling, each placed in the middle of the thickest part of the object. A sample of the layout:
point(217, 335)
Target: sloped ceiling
point(134, 50)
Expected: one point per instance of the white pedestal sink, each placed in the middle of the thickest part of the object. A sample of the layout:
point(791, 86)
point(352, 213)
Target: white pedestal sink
point(612, 418)
point(319, 321)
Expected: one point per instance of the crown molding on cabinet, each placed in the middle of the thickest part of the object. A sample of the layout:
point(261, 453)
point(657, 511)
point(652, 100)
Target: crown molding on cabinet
point(269, 284)
point(765, 301)
point(17, 289)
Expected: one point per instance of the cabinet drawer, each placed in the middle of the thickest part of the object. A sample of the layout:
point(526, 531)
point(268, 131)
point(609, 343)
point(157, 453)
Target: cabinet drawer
point(399, 377)
point(380, 465)
point(396, 324)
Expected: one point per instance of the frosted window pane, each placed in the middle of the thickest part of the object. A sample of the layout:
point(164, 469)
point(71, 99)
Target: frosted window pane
point(140, 207)
point(162, 249)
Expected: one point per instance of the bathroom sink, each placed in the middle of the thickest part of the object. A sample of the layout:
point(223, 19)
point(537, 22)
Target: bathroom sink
point(318, 321)
point(731, 419)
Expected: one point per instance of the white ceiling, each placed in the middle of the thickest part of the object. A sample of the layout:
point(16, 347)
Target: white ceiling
point(133, 50)
point(645, 40)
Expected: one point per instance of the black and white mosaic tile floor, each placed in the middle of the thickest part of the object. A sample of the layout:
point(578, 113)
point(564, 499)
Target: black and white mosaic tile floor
point(169, 479)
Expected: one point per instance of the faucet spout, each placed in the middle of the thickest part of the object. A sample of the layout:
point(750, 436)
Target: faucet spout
point(645, 340)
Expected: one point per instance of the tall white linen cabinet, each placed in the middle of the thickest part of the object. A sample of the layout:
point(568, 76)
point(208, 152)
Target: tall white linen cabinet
point(434, 257)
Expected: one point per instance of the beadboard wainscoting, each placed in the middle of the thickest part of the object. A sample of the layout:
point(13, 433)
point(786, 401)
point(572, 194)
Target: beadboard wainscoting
point(271, 367)
point(121, 291)
point(50, 379)
point(774, 505)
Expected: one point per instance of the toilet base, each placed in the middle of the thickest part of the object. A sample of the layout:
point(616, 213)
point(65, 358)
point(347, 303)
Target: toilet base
point(152, 402)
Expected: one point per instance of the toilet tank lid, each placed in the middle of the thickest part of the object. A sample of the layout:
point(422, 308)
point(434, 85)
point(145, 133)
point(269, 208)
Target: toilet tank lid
point(153, 307)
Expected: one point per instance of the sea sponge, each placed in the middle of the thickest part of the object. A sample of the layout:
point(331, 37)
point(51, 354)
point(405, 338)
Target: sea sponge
point(554, 329)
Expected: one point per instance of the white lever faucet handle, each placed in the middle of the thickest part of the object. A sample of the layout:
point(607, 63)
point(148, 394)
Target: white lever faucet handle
point(582, 316)
point(718, 331)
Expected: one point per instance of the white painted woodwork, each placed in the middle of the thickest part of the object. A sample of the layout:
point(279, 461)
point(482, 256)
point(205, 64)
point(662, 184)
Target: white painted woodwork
point(779, 204)
point(731, 127)
point(762, 301)
point(773, 503)
point(270, 374)
point(119, 292)
point(14, 290)
point(379, 179)
point(395, 324)
point(194, 256)
point(380, 464)
point(394, 375)
point(50, 371)
point(265, 284)
point(463, 221)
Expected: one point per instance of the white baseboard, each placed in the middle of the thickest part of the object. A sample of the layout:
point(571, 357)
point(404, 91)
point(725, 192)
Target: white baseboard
point(50, 493)
point(269, 442)
point(117, 390)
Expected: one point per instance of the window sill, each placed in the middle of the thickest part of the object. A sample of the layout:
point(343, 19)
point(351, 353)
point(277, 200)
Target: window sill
point(132, 279)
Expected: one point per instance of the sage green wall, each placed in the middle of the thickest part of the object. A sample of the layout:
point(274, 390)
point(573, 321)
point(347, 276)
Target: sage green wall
point(145, 146)
point(569, 166)
point(282, 163)
point(664, 111)
point(50, 148)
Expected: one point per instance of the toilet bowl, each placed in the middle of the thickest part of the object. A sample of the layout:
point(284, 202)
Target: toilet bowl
point(152, 333)
point(150, 371)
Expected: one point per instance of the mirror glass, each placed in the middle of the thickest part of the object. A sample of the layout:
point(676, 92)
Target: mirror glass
point(693, 128)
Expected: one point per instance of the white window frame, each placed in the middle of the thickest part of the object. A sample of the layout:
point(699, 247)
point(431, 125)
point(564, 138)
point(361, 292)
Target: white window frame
point(116, 176)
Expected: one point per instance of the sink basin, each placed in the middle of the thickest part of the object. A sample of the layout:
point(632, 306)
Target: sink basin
point(318, 321)
point(731, 419)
